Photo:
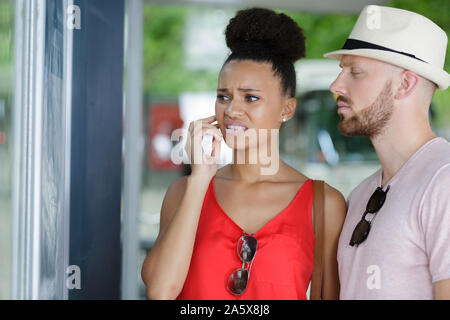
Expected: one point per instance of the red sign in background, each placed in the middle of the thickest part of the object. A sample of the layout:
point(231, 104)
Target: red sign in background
point(163, 119)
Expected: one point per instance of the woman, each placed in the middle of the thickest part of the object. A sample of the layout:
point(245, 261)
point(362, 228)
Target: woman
point(236, 233)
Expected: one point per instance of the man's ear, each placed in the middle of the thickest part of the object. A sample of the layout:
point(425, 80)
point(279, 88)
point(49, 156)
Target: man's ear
point(289, 109)
point(409, 81)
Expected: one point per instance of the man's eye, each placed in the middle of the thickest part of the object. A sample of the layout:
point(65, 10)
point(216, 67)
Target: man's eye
point(250, 98)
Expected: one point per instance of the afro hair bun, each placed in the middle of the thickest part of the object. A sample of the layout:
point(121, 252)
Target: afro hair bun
point(264, 28)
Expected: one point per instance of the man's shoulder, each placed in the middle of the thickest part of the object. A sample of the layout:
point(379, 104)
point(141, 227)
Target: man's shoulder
point(434, 161)
point(439, 150)
point(440, 178)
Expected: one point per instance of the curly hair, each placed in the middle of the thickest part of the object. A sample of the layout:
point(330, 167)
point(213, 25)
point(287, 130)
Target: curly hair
point(262, 35)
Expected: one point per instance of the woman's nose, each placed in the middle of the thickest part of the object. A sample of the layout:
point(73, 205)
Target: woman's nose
point(234, 109)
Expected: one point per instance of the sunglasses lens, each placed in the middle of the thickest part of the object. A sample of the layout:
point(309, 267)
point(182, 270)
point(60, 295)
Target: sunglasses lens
point(237, 281)
point(376, 201)
point(360, 233)
point(247, 246)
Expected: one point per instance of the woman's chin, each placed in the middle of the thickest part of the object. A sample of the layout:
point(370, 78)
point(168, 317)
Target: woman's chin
point(233, 145)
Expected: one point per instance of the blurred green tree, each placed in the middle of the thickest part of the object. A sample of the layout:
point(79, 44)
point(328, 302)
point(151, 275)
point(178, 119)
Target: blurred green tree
point(165, 74)
point(439, 12)
point(164, 71)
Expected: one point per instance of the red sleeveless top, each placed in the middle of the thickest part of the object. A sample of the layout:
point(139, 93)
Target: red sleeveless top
point(282, 266)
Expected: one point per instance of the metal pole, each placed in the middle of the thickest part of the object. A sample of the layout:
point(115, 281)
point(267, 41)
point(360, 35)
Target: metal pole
point(28, 110)
point(96, 149)
point(133, 152)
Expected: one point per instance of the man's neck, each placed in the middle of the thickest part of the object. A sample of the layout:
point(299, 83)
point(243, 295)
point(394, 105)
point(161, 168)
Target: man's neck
point(395, 147)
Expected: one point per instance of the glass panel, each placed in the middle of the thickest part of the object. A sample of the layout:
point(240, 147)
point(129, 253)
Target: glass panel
point(6, 148)
point(39, 212)
point(53, 260)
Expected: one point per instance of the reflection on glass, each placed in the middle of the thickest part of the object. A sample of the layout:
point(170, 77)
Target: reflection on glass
point(52, 267)
point(6, 87)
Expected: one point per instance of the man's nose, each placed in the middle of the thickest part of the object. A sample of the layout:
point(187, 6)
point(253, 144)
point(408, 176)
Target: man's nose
point(337, 87)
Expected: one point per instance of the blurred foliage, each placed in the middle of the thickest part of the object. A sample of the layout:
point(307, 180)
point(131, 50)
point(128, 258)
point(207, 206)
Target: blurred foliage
point(439, 12)
point(6, 32)
point(323, 32)
point(164, 71)
point(6, 63)
point(165, 74)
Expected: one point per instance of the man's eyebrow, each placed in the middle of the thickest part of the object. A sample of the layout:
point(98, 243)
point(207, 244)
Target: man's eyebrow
point(349, 64)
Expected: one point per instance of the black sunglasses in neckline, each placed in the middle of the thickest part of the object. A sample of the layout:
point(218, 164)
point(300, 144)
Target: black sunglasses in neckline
point(374, 205)
point(246, 249)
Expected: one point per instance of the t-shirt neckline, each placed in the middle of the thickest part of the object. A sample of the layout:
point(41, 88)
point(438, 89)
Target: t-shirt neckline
point(406, 164)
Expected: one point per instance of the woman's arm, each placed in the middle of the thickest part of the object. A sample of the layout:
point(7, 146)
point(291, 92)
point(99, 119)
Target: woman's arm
point(442, 290)
point(334, 211)
point(166, 266)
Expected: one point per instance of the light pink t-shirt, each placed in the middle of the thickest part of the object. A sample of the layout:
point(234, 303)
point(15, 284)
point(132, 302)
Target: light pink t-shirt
point(408, 247)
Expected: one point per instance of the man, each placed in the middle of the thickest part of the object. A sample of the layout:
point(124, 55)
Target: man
point(397, 245)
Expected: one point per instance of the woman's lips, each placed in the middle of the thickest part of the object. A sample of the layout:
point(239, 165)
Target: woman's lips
point(235, 130)
point(235, 127)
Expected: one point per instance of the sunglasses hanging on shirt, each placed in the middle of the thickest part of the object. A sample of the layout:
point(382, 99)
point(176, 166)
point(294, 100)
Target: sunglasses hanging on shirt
point(246, 249)
point(374, 204)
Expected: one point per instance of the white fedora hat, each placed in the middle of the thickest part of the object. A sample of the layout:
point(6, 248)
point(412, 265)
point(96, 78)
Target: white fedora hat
point(399, 37)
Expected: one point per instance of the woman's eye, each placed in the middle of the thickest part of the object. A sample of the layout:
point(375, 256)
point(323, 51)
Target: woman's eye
point(221, 97)
point(250, 98)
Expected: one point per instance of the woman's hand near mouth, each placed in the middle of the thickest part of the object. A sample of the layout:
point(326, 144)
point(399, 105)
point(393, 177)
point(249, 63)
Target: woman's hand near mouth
point(203, 165)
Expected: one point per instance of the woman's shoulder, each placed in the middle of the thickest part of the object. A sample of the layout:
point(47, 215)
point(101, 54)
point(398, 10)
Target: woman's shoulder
point(333, 195)
point(174, 195)
point(177, 187)
point(292, 174)
point(335, 206)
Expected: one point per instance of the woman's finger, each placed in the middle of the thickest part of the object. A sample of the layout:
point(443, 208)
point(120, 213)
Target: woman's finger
point(215, 152)
point(206, 129)
point(209, 119)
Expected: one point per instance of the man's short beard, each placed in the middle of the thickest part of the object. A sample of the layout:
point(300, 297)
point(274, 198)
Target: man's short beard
point(371, 120)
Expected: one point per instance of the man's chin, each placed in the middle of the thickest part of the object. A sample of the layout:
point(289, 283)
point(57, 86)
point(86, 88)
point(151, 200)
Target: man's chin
point(346, 133)
point(346, 129)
